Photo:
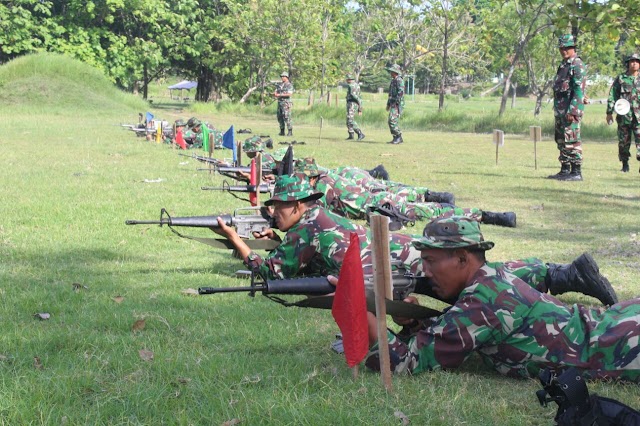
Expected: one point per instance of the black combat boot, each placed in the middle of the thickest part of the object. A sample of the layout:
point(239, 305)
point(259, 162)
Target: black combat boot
point(582, 276)
point(565, 169)
point(439, 197)
point(290, 132)
point(507, 219)
point(350, 136)
point(574, 175)
point(397, 140)
point(281, 131)
point(625, 166)
point(360, 135)
point(379, 172)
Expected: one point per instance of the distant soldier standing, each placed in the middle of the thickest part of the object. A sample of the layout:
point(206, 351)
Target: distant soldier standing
point(568, 106)
point(354, 104)
point(626, 86)
point(283, 93)
point(395, 103)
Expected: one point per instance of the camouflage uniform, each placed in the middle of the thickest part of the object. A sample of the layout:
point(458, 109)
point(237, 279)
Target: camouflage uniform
point(395, 102)
point(354, 105)
point(285, 105)
point(316, 245)
point(516, 329)
point(626, 87)
point(362, 178)
point(354, 202)
point(569, 93)
point(194, 140)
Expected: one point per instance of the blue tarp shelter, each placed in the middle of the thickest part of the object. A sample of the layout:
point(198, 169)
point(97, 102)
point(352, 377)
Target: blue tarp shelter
point(183, 85)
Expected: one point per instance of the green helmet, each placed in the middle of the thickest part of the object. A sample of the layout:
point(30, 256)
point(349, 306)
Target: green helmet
point(394, 68)
point(284, 74)
point(452, 233)
point(294, 187)
point(193, 122)
point(566, 40)
point(307, 166)
point(634, 57)
point(252, 144)
point(180, 123)
point(279, 154)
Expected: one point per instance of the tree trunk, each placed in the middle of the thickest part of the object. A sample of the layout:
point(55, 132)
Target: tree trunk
point(205, 85)
point(539, 96)
point(445, 52)
point(145, 77)
point(247, 94)
point(505, 90)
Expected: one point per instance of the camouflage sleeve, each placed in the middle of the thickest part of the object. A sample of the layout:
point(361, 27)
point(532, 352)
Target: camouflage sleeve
point(470, 324)
point(578, 82)
point(614, 95)
point(288, 259)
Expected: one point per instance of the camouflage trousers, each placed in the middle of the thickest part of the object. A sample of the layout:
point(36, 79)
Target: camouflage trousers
point(284, 114)
point(423, 211)
point(567, 136)
point(394, 116)
point(352, 109)
point(625, 132)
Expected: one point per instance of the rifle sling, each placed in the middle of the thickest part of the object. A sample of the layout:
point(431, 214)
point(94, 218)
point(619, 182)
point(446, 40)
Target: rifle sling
point(396, 308)
point(223, 243)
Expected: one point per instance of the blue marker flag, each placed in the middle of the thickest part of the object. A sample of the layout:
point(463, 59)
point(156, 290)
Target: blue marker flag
point(149, 117)
point(229, 141)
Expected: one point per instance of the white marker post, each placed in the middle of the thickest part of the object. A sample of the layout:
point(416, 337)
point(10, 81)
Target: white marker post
point(535, 132)
point(498, 141)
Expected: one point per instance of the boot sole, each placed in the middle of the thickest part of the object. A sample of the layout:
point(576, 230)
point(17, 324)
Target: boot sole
point(595, 284)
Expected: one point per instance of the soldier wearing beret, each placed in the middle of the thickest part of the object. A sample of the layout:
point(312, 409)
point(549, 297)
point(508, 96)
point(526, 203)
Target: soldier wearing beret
point(568, 106)
point(626, 86)
point(515, 328)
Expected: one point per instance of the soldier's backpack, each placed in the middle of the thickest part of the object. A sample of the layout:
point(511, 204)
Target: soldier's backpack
point(577, 407)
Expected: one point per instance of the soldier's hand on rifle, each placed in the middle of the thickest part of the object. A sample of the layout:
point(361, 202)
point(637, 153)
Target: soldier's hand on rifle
point(225, 230)
point(266, 234)
point(407, 321)
point(571, 118)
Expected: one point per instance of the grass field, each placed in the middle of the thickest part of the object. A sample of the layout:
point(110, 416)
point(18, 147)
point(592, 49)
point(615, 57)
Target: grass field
point(71, 177)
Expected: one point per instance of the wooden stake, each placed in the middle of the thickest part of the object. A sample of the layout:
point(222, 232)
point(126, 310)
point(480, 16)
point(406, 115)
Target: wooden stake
point(535, 132)
point(498, 140)
point(382, 283)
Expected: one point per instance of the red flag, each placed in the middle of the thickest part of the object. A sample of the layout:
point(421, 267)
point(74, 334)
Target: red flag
point(255, 182)
point(350, 305)
point(180, 139)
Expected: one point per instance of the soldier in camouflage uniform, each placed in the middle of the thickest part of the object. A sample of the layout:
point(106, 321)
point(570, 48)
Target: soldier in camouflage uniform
point(395, 103)
point(354, 104)
point(193, 136)
point(316, 241)
point(568, 106)
point(627, 86)
point(283, 93)
point(347, 199)
point(516, 329)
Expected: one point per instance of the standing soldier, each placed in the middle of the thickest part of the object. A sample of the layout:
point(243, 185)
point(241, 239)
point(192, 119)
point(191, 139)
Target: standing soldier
point(354, 103)
point(395, 103)
point(626, 86)
point(283, 93)
point(568, 106)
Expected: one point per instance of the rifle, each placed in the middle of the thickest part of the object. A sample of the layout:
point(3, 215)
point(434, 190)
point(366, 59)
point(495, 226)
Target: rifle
point(245, 225)
point(263, 188)
point(403, 285)
point(207, 160)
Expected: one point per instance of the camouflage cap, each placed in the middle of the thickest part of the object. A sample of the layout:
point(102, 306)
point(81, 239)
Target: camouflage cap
point(284, 74)
point(566, 40)
point(307, 166)
point(193, 122)
point(180, 123)
point(252, 144)
point(634, 57)
point(294, 187)
point(452, 233)
point(349, 77)
point(279, 154)
point(394, 68)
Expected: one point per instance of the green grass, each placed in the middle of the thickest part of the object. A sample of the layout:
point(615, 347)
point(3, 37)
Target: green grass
point(69, 185)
